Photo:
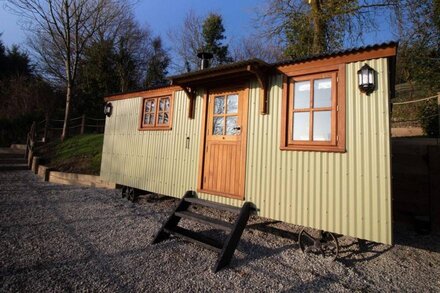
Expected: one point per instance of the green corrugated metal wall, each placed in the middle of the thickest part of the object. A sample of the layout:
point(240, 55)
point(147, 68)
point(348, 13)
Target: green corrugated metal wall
point(347, 193)
point(157, 161)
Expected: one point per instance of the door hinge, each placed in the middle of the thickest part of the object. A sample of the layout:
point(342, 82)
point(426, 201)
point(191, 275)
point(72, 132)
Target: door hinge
point(337, 137)
point(337, 108)
point(337, 78)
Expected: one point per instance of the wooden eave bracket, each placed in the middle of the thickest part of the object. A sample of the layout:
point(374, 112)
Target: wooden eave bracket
point(262, 81)
point(191, 94)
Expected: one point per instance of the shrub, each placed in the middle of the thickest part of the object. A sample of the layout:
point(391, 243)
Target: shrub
point(429, 119)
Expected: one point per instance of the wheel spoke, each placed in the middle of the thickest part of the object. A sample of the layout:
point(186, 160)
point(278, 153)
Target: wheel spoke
point(309, 236)
point(329, 246)
point(310, 249)
point(307, 242)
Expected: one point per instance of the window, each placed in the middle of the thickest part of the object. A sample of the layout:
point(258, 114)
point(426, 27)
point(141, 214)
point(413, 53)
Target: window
point(225, 115)
point(156, 113)
point(314, 113)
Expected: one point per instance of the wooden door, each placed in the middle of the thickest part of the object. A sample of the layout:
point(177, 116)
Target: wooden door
point(224, 156)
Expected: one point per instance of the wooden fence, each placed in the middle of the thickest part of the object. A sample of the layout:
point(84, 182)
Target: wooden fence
point(41, 132)
point(49, 129)
point(413, 107)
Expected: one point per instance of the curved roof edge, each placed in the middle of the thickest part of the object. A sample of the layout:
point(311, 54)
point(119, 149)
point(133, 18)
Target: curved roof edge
point(367, 48)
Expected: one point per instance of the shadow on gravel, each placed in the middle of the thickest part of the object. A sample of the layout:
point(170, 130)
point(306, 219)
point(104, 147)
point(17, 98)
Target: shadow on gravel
point(360, 251)
point(323, 282)
point(86, 220)
point(349, 253)
point(354, 251)
point(267, 227)
point(405, 237)
point(93, 252)
point(254, 251)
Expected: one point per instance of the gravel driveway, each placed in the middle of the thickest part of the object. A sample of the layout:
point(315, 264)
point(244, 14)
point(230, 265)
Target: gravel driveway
point(68, 238)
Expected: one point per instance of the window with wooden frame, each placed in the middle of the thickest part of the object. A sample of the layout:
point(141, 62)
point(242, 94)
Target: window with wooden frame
point(314, 112)
point(156, 113)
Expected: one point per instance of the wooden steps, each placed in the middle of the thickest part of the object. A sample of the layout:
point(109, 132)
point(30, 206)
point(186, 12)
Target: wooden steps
point(13, 167)
point(196, 238)
point(11, 155)
point(226, 248)
point(12, 160)
point(214, 205)
point(206, 220)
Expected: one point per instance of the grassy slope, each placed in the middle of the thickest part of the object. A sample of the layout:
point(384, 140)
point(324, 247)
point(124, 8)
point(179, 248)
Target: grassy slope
point(79, 154)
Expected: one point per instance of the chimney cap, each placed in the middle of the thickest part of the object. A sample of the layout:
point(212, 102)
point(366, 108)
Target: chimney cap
point(205, 55)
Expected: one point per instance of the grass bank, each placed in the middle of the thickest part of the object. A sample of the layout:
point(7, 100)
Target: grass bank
point(78, 154)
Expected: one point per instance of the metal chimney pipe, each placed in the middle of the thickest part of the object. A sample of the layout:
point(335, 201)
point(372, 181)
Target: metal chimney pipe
point(205, 57)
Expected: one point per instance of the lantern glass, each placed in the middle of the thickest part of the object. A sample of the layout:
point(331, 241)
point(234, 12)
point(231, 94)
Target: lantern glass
point(366, 79)
point(370, 76)
point(108, 109)
point(365, 76)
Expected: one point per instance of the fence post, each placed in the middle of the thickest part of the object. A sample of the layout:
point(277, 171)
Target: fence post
point(26, 154)
point(434, 185)
point(46, 126)
point(438, 112)
point(83, 123)
point(33, 131)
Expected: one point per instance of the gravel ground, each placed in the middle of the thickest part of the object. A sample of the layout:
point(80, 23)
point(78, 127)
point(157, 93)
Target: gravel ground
point(68, 238)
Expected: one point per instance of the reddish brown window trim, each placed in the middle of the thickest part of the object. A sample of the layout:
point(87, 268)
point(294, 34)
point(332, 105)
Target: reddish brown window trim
point(337, 143)
point(156, 112)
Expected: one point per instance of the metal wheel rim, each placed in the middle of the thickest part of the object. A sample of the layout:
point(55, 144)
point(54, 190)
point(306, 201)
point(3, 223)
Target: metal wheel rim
point(300, 241)
point(331, 238)
point(130, 194)
point(328, 240)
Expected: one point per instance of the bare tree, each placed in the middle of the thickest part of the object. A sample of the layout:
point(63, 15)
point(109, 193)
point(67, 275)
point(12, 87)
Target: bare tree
point(253, 47)
point(133, 47)
point(187, 40)
point(317, 26)
point(61, 31)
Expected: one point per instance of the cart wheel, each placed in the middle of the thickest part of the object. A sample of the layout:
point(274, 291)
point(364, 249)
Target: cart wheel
point(325, 243)
point(124, 191)
point(131, 194)
point(329, 245)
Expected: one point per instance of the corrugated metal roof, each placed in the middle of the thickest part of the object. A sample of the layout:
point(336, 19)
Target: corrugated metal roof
point(220, 68)
point(335, 53)
point(165, 84)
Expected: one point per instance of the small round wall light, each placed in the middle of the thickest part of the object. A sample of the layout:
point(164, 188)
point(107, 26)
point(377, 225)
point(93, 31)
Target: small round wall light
point(366, 78)
point(108, 109)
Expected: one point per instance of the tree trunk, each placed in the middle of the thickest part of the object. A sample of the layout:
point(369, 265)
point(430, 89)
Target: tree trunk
point(319, 28)
point(65, 133)
point(69, 81)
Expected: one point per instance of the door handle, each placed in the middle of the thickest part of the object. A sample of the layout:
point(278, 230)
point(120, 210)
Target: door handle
point(237, 128)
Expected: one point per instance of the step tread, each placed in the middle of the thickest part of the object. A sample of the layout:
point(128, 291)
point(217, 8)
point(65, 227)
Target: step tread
point(13, 167)
point(213, 205)
point(9, 151)
point(205, 220)
point(195, 237)
point(12, 161)
point(11, 156)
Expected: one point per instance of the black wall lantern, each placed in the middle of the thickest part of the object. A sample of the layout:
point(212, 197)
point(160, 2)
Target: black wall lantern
point(108, 109)
point(366, 77)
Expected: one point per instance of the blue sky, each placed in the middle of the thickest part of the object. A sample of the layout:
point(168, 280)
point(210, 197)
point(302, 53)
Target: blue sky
point(163, 15)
